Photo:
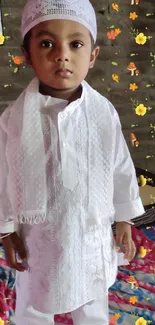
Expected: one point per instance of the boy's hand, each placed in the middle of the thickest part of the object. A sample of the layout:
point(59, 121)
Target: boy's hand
point(124, 238)
point(13, 245)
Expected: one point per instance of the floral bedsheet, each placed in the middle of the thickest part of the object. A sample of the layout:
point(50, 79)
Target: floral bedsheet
point(131, 298)
point(7, 290)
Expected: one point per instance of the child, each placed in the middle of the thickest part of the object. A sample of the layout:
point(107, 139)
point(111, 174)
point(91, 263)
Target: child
point(65, 174)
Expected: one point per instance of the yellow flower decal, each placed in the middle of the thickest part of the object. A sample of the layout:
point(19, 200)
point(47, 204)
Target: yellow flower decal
point(117, 316)
point(142, 251)
point(1, 321)
point(115, 77)
point(133, 300)
point(133, 15)
point(115, 6)
point(141, 321)
point(133, 87)
point(142, 180)
point(2, 38)
point(141, 110)
point(141, 39)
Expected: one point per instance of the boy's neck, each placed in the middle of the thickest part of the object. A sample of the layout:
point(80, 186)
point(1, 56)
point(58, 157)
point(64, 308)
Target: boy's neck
point(66, 94)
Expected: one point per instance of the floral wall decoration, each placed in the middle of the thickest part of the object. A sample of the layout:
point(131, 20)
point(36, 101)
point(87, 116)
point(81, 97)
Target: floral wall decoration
point(128, 73)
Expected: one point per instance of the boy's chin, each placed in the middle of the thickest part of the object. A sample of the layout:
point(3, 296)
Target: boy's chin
point(62, 87)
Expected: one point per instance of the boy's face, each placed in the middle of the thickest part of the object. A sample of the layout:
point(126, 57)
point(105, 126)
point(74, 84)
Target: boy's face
point(61, 53)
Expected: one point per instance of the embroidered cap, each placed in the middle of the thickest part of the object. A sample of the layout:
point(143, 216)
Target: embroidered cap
point(37, 11)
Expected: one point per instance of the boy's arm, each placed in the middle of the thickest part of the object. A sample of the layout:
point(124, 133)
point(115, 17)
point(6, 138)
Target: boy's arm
point(127, 201)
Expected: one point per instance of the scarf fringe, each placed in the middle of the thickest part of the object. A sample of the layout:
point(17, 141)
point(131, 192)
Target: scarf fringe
point(32, 220)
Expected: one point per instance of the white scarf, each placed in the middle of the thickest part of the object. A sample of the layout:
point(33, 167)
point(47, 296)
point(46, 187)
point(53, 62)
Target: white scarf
point(25, 150)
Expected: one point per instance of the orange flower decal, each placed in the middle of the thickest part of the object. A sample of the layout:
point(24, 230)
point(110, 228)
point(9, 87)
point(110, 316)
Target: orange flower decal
point(115, 6)
point(115, 77)
point(133, 87)
point(133, 15)
point(133, 300)
point(113, 33)
point(117, 31)
point(18, 60)
point(114, 318)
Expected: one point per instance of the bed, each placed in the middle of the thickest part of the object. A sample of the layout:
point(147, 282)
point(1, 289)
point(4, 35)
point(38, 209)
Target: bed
point(131, 298)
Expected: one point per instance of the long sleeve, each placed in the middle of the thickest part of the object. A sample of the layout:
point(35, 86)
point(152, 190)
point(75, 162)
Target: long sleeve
point(7, 223)
point(127, 201)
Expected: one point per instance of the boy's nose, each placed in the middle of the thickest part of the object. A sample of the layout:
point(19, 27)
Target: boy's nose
point(62, 54)
point(61, 59)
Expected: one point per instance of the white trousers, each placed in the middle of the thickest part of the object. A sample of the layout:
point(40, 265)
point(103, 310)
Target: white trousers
point(93, 313)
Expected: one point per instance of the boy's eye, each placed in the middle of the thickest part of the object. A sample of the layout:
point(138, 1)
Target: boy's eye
point(47, 44)
point(77, 44)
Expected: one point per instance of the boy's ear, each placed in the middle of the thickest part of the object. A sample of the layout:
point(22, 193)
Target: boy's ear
point(94, 56)
point(26, 55)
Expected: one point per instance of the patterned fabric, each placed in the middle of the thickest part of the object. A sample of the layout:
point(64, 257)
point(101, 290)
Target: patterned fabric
point(37, 11)
point(133, 294)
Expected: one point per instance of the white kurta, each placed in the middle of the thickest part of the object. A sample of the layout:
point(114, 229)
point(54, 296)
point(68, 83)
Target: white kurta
point(70, 267)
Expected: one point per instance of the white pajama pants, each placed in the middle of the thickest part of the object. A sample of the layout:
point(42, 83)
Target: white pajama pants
point(93, 313)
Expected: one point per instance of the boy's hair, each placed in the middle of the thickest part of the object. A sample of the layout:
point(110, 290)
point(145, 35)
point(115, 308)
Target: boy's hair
point(26, 42)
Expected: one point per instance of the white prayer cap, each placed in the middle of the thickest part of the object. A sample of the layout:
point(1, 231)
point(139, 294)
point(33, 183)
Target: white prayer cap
point(37, 11)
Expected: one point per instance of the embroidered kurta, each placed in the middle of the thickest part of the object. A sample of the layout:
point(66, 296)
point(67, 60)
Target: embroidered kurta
point(71, 264)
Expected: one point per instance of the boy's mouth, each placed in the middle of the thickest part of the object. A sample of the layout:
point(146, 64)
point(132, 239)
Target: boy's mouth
point(64, 73)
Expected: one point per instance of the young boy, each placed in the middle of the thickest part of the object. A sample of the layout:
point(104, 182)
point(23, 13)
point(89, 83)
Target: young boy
point(65, 174)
